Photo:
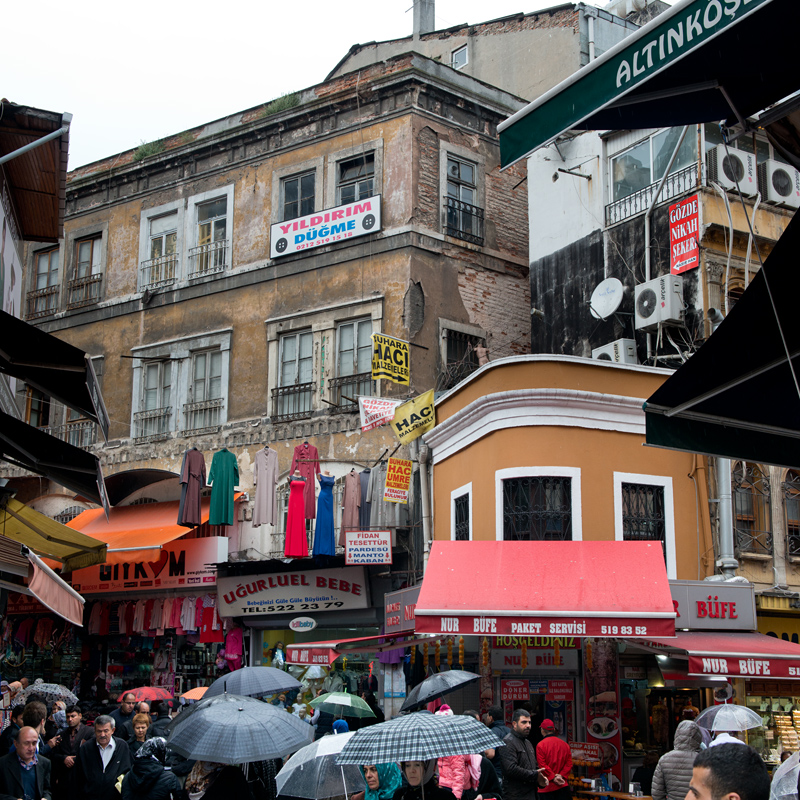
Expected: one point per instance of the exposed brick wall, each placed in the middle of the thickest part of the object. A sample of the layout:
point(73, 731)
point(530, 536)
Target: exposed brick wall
point(360, 78)
point(426, 212)
point(500, 304)
point(507, 209)
point(561, 18)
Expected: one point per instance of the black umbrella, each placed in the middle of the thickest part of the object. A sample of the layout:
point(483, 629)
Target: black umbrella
point(253, 682)
point(437, 686)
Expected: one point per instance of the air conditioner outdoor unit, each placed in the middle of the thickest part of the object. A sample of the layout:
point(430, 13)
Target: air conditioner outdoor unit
point(727, 168)
point(659, 301)
point(779, 183)
point(620, 351)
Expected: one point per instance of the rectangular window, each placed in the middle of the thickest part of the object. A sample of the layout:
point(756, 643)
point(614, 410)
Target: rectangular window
point(537, 508)
point(210, 255)
point(84, 288)
point(353, 362)
point(643, 518)
point(88, 261)
point(202, 412)
point(459, 58)
point(292, 397)
point(160, 269)
point(355, 178)
point(43, 299)
point(153, 421)
point(298, 195)
point(79, 431)
point(462, 358)
point(461, 512)
point(464, 218)
point(37, 411)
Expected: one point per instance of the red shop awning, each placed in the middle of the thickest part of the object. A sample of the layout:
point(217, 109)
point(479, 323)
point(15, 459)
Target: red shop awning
point(546, 588)
point(737, 655)
point(325, 653)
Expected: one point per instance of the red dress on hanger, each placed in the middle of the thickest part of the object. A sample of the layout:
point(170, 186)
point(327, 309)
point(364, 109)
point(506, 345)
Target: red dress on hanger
point(296, 542)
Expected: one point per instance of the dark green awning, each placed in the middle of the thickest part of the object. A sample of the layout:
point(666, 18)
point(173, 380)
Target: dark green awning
point(738, 396)
point(696, 62)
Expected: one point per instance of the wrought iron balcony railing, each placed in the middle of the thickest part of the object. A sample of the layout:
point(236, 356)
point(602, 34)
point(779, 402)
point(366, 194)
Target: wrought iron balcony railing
point(84, 291)
point(202, 417)
point(684, 180)
point(208, 259)
point(291, 402)
point(42, 302)
point(158, 272)
point(152, 426)
point(463, 221)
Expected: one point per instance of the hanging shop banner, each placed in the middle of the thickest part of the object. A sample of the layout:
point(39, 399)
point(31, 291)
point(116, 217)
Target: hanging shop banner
point(390, 359)
point(293, 592)
point(601, 683)
point(684, 230)
point(400, 607)
point(376, 411)
point(326, 227)
point(725, 607)
point(511, 690)
point(398, 478)
point(367, 547)
point(182, 564)
point(414, 418)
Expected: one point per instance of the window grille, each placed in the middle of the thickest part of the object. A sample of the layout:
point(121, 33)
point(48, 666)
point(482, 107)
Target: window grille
point(752, 513)
point(461, 511)
point(643, 517)
point(537, 508)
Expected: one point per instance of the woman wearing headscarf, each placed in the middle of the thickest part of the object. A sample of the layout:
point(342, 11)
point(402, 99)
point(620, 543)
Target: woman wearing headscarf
point(148, 778)
point(212, 781)
point(382, 780)
point(421, 782)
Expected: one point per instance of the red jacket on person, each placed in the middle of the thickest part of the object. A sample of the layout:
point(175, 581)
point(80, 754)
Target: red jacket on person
point(555, 756)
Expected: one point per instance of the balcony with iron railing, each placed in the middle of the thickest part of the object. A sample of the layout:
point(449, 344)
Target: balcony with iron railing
point(152, 426)
point(346, 389)
point(208, 259)
point(42, 302)
point(677, 183)
point(158, 272)
point(84, 291)
point(202, 417)
point(463, 221)
point(292, 402)
point(80, 433)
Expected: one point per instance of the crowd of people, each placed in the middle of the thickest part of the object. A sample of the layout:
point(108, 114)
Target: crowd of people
point(51, 753)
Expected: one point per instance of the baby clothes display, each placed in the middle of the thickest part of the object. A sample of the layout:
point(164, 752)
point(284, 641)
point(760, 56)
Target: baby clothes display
point(324, 539)
point(223, 477)
point(193, 479)
point(265, 479)
point(296, 544)
point(306, 461)
point(351, 502)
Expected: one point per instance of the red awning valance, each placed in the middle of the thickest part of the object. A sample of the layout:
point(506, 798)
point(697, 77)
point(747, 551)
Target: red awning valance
point(616, 589)
point(738, 655)
point(325, 653)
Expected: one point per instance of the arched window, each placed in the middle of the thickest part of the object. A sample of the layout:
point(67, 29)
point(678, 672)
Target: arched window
point(752, 514)
point(791, 510)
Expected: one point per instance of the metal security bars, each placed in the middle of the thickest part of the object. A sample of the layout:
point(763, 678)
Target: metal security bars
point(42, 302)
point(461, 511)
point(463, 221)
point(291, 402)
point(643, 514)
point(203, 416)
point(158, 272)
point(84, 291)
point(152, 426)
point(537, 508)
point(752, 512)
point(346, 389)
point(791, 505)
point(208, 259)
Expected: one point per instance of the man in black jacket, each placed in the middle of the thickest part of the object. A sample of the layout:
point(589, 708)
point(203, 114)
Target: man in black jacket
point(10, 733)
point(493, 719)
point(65, 755)
point(24, 773)
point(101, 762)
point(520, 775)
point(162, 721)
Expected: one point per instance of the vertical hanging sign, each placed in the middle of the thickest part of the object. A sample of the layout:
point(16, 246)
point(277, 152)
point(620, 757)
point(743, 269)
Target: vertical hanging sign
point(684, 230)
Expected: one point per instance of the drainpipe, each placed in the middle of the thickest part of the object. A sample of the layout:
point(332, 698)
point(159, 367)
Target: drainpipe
point(591, 38)
point(726, 562)
point(423, 455)
point(66, 119)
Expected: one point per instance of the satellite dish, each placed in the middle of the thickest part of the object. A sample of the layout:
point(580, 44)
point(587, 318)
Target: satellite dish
point(606, 298)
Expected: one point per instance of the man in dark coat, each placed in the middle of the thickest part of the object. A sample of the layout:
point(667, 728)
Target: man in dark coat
point(162, 721)
point(101, 762)
point(24, 773)
point(520, 774)
point(493, 719)
point(65, 754)
point(10, 733)
point(125, 712)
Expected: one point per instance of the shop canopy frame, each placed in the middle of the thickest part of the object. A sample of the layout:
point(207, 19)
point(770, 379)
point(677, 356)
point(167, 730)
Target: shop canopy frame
point(324, 653)
point(698, 61)
point(538, 588)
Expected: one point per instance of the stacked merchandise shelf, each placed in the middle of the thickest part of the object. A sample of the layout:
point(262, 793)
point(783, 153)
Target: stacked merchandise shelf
point(786, 730)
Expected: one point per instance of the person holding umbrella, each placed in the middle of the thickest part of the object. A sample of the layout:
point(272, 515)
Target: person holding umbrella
point(422, 783)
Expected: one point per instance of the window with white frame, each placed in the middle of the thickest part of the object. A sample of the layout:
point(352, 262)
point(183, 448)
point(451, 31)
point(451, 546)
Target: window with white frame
point(43, 299)
point(292, 396)
point(353, 362)
point(153, 420)
point(298, 195)
point(644, 512)
point(461, 514)
point(160, 269)
point(210, 256)
point(464, 219)
point(355, 178)
point(202, 413)
point(459, 58)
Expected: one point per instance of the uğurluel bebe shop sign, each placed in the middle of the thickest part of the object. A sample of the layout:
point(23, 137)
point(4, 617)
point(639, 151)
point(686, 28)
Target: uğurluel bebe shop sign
point(293, 592)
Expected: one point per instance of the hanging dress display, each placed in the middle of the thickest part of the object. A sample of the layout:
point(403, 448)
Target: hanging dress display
point(351, 501)
point(306, 461)
point(364, 511)
point(193, 479)
point(324, 539)
point(296, 544)
point(223, 477)
point(265, 479)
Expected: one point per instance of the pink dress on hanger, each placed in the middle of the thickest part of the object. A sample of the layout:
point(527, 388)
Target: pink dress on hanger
point(296, 542)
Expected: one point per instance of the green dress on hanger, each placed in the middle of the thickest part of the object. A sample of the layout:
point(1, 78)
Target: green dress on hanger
point(223, 477)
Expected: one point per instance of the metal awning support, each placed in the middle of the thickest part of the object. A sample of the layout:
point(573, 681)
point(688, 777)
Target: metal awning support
point(67, 118)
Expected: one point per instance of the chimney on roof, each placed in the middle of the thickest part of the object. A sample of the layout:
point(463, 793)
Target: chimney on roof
point(424, 17)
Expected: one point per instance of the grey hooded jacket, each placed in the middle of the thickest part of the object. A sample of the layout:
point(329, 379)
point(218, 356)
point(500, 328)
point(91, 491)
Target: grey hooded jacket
point(674, 769)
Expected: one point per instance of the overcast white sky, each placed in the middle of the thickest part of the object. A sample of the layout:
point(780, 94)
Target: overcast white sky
point(139, 71)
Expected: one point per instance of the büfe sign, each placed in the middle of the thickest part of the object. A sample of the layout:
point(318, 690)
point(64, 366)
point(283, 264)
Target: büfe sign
point(368, 547)
point(398, 477)
point(326, 227)
point(684, 225)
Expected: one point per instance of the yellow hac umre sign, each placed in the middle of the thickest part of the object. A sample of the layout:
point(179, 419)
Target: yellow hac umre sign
point(390, 359)
point(414, 418)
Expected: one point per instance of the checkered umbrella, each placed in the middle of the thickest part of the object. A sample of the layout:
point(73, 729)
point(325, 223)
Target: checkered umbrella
point(232, 729)
point(253, 682)
point(49, 691)
point(418, 737)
